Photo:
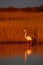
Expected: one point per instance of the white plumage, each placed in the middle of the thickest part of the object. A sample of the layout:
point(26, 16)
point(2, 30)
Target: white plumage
point(28, 38)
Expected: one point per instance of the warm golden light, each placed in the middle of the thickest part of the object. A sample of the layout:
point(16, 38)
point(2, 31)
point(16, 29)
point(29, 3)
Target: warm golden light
point(27, 52)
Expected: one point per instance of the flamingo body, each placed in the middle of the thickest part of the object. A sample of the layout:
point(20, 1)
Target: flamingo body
point(28, 38)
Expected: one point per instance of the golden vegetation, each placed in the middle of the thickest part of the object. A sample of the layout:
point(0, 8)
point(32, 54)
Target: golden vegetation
point(13, 23)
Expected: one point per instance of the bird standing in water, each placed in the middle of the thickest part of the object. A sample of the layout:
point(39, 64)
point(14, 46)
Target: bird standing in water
point(28, 38)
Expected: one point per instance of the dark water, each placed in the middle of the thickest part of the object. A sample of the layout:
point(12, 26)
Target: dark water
point(33, 59)
point(14, 54)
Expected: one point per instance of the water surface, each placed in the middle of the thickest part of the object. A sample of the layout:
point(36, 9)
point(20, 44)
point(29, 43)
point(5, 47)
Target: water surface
point(14, 54)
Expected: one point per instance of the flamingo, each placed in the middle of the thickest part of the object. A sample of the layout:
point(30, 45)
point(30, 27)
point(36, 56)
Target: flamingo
point(28, 38)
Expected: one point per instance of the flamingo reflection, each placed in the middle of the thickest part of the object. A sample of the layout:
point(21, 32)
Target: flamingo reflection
point(27, 52)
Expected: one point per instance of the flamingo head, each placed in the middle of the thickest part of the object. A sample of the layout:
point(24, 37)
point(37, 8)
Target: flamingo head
point(24, 30)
